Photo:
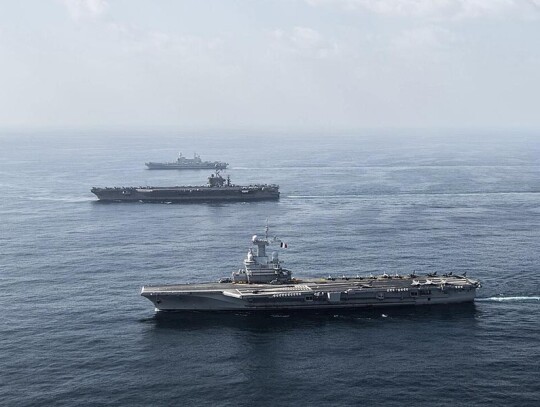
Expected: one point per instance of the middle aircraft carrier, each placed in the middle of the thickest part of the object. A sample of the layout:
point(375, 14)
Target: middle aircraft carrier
point(217, 189)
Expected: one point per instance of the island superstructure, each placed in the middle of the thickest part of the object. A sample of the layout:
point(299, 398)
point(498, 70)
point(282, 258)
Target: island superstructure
point(184, 163)
point(263, 284)
point(217, 189)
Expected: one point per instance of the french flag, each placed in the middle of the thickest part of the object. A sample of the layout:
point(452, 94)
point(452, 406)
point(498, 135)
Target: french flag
point(284, 245)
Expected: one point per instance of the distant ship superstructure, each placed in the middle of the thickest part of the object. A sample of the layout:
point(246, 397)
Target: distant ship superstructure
point(183, 163)
point(217, 189)
point(263, 284)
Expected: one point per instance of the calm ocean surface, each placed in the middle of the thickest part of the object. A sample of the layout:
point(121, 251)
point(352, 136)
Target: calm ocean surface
point(75, 331)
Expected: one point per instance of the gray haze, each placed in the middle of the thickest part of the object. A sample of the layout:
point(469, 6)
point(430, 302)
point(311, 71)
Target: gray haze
point(267, 64)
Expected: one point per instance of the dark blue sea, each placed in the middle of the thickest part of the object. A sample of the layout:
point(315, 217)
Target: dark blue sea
point(74, 330)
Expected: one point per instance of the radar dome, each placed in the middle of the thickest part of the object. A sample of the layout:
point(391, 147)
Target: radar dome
point(254, 238)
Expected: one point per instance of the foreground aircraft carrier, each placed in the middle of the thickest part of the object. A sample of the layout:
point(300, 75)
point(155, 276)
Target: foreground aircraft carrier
point(262, 284)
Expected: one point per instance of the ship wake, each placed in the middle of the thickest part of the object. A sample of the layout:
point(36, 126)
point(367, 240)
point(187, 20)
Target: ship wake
point(509, 299)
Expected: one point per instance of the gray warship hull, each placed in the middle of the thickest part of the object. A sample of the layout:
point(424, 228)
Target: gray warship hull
point(183, 163)
point(313, 294)
point(176, 166)
point(187, 194)
point(264, 285)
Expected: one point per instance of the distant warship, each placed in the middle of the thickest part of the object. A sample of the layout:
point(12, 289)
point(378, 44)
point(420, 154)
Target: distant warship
point(262, 284)
point(217, 189)
point(183, 163)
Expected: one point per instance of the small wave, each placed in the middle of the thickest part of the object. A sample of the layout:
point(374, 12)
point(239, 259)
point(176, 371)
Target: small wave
point(509, 299)
point(60, 199)
point(325, 196)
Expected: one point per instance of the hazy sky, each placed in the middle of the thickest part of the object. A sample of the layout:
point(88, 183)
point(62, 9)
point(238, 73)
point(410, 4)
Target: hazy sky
point(270, 63)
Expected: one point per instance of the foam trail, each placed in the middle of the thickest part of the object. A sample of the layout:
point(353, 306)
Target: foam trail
point(509, 299)
point(325, 196)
